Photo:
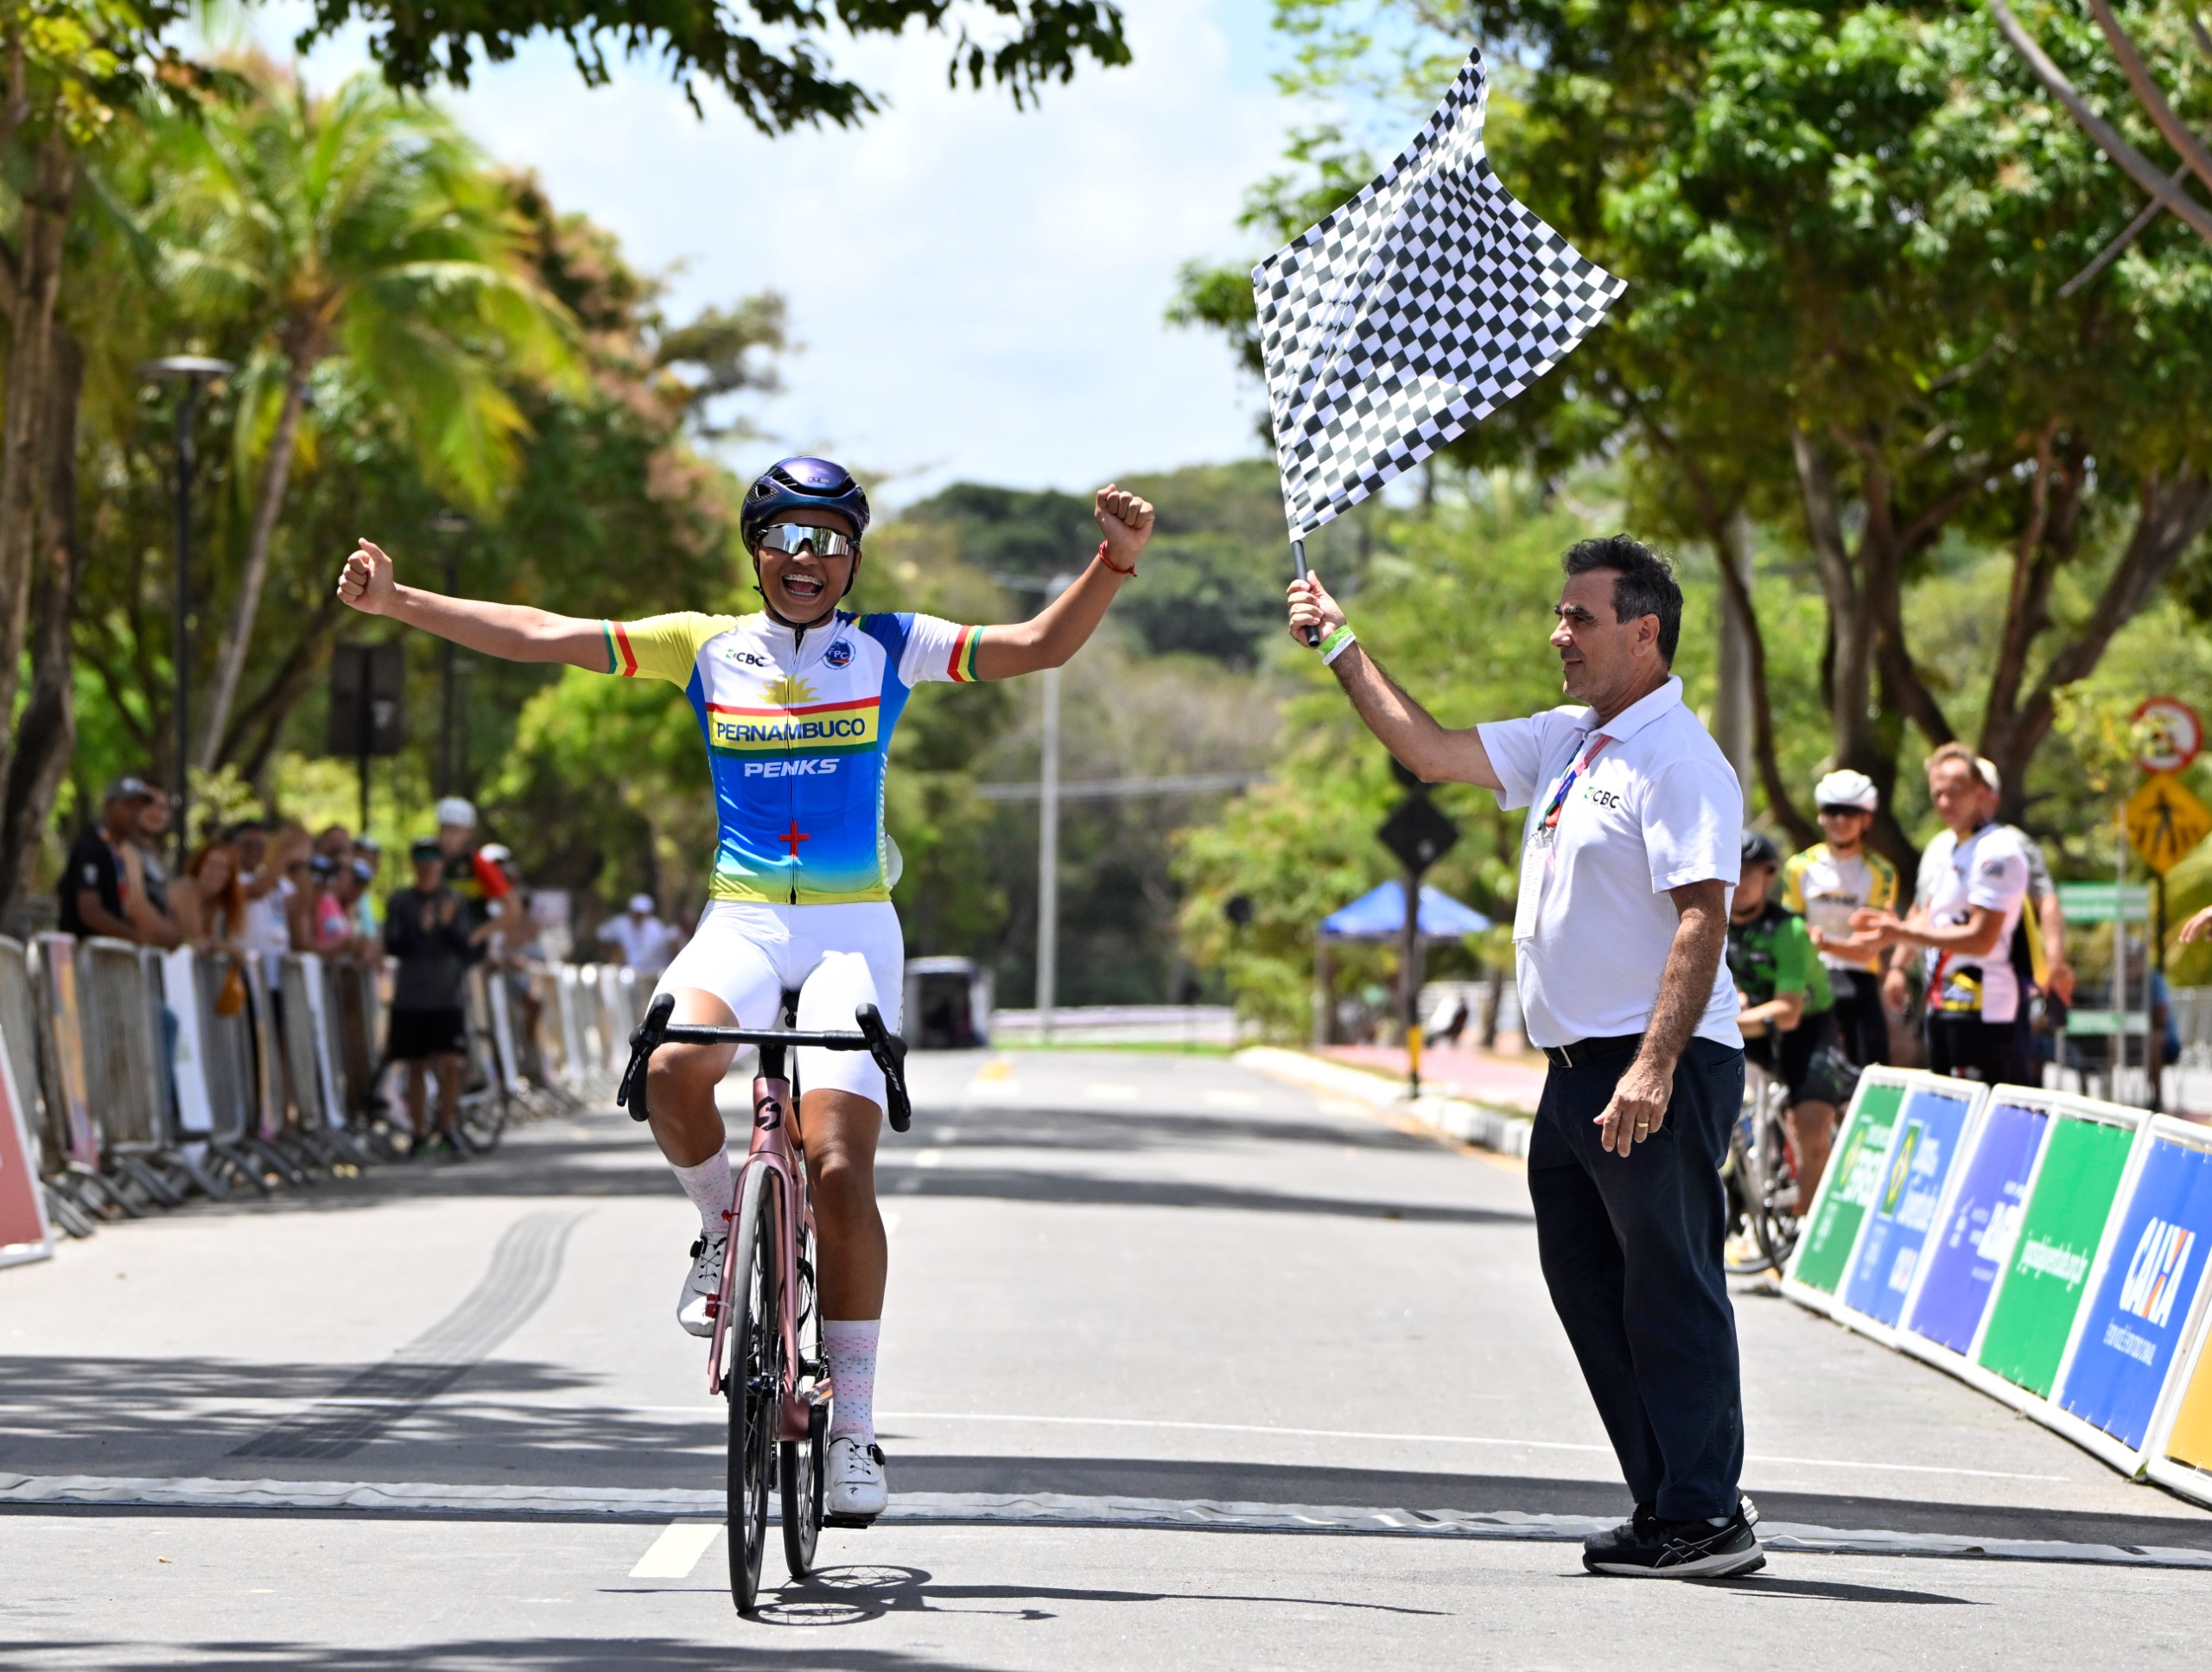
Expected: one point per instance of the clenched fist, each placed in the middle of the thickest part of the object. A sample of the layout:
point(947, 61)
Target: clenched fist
point(366, 583)
point(1126, 521)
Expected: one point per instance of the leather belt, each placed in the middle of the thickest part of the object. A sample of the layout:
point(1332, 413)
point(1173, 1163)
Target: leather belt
point(1583, 1052)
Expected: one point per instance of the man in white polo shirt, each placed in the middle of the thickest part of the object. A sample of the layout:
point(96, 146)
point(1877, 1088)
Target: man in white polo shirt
point(1630, 849)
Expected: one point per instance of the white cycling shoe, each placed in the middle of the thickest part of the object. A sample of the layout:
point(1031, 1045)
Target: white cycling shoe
point(856, 1484)
point(695, 1301)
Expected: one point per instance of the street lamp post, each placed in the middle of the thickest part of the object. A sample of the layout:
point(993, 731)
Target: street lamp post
point(195, 371)
point(451, 528)
point(1048, 822)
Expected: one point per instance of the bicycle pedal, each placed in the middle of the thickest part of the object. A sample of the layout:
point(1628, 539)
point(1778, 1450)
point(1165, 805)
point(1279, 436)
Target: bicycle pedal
point(855, 1523)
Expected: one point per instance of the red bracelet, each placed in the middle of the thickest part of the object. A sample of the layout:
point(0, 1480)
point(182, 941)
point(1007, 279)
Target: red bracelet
point(1111, 564)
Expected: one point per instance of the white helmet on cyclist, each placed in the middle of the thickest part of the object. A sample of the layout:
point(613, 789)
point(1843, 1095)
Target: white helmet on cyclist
point(457, 809)
point(1846, 790)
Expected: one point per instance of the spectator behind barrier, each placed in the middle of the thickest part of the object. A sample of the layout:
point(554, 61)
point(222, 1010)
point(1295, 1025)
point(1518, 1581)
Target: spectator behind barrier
point(265, 934)
point(209, 905)
point(146, 901)
point(427, 931)
point(94, 878)
point(640, 939)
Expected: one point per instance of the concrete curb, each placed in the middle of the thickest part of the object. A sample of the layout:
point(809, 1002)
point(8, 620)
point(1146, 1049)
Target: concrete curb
point(1502, 1130)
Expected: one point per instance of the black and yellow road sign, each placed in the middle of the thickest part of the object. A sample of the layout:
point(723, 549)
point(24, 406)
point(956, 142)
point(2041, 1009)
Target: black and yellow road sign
point(2165, 822)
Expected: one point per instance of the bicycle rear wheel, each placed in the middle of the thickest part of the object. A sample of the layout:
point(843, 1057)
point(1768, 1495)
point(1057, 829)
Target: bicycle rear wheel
point(754, 1381)
point(805, 1470)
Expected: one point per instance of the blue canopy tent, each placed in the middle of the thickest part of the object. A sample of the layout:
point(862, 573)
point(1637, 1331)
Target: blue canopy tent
point(1380, 914)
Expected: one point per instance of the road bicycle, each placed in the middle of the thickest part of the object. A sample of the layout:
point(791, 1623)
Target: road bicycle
point(1761, 1178)
point(764, 1354)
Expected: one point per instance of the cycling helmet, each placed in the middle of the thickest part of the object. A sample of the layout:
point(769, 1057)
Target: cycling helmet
point(1847, 789)
point(1759, 850)
point(791, 484)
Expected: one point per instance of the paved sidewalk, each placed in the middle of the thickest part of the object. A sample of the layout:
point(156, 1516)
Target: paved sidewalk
point(1502, 1082)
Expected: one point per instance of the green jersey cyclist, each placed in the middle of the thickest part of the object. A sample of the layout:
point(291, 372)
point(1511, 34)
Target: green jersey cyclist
point(797, 704)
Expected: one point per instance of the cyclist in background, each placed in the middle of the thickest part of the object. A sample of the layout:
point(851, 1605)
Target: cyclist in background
point(1827, 882)
point(796, 703)
point(1787, 1019)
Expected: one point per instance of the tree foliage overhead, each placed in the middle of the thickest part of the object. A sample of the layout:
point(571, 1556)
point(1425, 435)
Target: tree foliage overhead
point(766, 55)
point(1846, 229)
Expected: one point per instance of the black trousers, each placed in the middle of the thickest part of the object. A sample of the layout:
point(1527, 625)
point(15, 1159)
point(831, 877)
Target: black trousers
point(1966, 1048)
point(1631, 1251)
point(1860, 1018)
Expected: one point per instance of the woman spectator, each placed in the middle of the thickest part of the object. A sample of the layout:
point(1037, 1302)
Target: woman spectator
point(207, 901)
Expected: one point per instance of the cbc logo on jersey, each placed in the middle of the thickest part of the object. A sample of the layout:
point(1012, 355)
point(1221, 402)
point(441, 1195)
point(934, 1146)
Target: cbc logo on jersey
point(838, 654)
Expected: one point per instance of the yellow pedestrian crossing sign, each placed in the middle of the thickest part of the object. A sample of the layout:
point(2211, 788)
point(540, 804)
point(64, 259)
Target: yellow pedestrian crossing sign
point(2165, 822)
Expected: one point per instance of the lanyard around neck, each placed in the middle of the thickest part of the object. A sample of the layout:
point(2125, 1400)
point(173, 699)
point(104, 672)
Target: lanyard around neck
point(1566, 783)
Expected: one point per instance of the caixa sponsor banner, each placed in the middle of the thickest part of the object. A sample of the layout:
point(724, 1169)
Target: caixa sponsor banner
point(1922, 1154)
point(2135, 1325)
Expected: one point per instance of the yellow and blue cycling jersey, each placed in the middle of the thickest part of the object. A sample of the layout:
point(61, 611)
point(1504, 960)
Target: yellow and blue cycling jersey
point(797, 728)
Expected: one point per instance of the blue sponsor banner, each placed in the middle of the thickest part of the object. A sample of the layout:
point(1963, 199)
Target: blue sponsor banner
point(2143, 1303)
point(1920, 1156)
point(1975, 1241)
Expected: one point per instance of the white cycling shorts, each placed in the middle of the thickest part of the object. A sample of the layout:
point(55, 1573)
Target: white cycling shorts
point(839, 957)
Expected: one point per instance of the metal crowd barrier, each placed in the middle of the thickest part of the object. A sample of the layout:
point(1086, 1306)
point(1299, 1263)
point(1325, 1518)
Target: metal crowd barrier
point(139, 1090)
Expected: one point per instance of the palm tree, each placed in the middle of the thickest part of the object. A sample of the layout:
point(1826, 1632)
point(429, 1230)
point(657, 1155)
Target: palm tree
point(361, 225)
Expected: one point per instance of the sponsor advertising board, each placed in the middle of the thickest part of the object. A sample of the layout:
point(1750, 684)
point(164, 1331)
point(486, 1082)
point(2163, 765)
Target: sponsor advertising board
point(2182, 1459)
point(1980, 1225)
point(23, 1231)
point(57, 974)
point(2145, 1299)
point(2040, 1289)
point(1852, 1183)
point(1930, 1128)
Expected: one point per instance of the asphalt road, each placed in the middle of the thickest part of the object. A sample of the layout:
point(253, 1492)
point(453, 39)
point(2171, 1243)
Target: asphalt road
point(1183, 1367)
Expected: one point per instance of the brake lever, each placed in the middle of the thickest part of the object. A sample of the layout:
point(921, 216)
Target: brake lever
point(890, 1053)
point(644, 1040)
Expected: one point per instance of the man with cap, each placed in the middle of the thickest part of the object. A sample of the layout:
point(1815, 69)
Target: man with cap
point(94, 878)
point(467, 873)
point(640, 939)
point(426, 929)
point(1825, 884)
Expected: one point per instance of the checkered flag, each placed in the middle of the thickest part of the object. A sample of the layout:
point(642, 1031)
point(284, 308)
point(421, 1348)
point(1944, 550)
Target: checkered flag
point(1414, 310)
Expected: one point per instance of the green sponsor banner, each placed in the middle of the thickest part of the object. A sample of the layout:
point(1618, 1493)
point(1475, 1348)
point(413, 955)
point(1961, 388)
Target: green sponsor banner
point(1854, 1179)
point(2059, 1234)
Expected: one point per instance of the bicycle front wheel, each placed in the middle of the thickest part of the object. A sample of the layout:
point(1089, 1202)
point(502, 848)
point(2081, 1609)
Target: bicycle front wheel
point(754, 1381)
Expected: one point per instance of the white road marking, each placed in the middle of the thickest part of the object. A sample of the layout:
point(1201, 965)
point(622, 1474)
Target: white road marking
point(1112, 1092)
point(676, 1551)
point(890, 1229)
point(1232, 1100)
point(968, 1508)
point(1426, 1439)
point(928, 1157)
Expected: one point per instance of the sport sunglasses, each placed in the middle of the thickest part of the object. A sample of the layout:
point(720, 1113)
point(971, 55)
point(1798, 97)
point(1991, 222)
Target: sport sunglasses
point(794, 537)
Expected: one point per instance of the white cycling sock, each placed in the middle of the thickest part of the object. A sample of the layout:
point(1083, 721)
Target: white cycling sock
point(710, 1187)
point(849, 1346)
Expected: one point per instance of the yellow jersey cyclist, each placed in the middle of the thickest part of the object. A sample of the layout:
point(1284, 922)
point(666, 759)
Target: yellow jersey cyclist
point(797, 704)
point(1825, 884)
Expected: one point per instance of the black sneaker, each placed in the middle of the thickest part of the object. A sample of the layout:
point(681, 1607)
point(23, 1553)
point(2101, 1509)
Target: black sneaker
point(1636, 1529)
point(1682, 1550)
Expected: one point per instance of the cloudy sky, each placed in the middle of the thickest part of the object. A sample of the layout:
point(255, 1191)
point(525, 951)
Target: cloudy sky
point(977, 291)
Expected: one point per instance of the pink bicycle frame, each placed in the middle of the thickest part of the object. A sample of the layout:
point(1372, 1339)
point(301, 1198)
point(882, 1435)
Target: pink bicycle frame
point(775, 1121)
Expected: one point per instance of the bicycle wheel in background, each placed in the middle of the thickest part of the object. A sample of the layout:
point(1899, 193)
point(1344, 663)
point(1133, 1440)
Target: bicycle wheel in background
point(753, 1379)
point(805, 1470)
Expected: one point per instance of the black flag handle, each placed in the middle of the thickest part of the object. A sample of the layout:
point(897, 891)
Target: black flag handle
point(1297, 556)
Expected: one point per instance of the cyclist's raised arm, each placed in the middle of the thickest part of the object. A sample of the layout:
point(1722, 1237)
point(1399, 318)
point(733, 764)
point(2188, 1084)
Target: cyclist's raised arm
point(514, 632)
point(1057, 632)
